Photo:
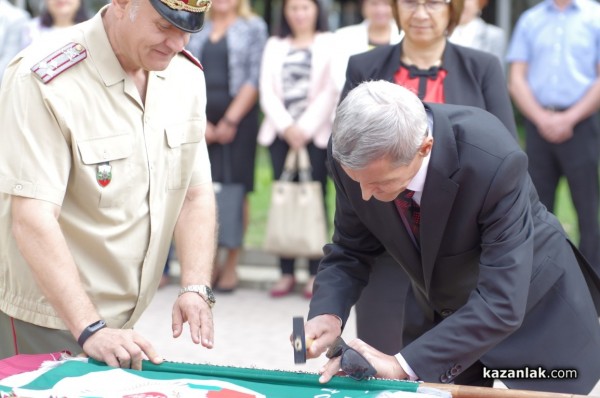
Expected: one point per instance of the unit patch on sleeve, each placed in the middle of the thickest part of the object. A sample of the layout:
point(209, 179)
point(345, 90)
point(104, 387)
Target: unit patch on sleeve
point(59, 61)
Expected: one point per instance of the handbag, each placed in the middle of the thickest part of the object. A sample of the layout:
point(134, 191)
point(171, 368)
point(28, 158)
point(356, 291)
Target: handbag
point(230, 206)
point(296, 222)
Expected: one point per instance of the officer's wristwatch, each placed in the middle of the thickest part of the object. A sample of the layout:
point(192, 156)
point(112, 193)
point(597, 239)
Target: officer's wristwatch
point(204, 291)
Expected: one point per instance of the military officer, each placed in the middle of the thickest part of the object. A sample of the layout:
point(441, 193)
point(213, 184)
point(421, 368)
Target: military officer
point(103, 160)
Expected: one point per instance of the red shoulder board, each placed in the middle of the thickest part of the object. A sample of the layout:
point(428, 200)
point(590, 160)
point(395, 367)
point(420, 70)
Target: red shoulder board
point(59, 61)
point(194, 60)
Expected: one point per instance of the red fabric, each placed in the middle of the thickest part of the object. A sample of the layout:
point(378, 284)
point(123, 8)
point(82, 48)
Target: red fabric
point(410, 211)
point(25, 363)
point(435, 87)
point(194, 60)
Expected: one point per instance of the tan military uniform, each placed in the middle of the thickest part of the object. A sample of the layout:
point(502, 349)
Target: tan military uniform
point(57, 139)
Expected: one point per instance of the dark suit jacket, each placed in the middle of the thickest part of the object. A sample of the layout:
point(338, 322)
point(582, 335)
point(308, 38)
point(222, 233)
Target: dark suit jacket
point(474, 77)
point(496, 278)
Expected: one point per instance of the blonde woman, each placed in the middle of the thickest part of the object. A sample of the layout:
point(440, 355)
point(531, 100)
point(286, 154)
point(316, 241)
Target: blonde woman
point(230, 47)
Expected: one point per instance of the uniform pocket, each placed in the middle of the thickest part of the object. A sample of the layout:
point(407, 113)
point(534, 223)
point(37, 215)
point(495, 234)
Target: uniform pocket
point(106, 167)
point(105, 149)
point(182, 142)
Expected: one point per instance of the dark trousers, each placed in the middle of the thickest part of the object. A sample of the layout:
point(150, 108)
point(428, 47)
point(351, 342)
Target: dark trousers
point(318, 157)
point(18, 337)
point(577, 160)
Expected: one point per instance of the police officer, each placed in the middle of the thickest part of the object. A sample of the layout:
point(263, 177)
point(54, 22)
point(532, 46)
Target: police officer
point(103, 160)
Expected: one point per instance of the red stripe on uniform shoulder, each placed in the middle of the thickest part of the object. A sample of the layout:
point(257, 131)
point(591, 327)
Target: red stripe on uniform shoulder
point(194, 60)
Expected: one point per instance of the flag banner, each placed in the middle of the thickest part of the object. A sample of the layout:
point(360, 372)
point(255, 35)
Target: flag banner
point(92, 379)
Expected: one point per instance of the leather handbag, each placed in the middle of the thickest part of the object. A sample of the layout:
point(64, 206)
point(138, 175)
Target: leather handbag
point(230, 206)
point(296, 221)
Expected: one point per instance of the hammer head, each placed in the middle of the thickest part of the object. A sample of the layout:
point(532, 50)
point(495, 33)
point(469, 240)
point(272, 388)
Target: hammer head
point(299, 340)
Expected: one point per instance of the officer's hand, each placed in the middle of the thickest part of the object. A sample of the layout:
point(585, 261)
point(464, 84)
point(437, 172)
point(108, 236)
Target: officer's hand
point(192, 308)
point(321, 331)
point(387, 366)
point(121, 348)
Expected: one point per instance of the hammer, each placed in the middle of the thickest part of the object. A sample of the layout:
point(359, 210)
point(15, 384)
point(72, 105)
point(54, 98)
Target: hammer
point(299, 340)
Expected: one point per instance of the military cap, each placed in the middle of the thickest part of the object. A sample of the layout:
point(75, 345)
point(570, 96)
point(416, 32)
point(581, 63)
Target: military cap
point(187, 15)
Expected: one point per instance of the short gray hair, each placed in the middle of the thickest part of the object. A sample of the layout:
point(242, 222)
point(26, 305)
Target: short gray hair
point(378, 119)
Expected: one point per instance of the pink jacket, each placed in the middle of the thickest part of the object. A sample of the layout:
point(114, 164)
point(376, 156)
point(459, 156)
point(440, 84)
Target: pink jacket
point(317, 120)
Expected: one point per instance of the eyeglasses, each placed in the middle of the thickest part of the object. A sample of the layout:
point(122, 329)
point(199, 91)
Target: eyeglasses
point(352, 362)
point(430, 5)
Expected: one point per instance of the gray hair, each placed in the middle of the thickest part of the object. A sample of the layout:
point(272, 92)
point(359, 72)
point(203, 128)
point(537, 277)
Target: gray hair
point(378, 119)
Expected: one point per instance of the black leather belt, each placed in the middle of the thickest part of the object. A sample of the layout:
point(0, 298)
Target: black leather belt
point(556, 108)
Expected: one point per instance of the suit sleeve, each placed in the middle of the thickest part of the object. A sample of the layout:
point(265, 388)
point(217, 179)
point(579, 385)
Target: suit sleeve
point(496, 307)
point(345, 268)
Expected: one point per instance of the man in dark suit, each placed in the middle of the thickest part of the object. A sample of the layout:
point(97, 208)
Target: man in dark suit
point(495, 282)
point(468, 77)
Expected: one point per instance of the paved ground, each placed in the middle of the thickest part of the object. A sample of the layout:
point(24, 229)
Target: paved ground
point(251, 328)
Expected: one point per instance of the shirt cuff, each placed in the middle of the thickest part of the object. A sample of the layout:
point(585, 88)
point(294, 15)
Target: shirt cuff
point(339, 319)
point(412, 376)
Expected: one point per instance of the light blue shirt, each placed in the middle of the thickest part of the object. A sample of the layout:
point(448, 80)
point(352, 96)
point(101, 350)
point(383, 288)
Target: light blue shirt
point(561, 48)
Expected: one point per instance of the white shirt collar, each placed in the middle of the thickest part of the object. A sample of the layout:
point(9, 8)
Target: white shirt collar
point(418, 181)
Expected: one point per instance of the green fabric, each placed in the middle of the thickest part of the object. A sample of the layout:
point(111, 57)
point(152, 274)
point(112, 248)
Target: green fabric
point(271, 383)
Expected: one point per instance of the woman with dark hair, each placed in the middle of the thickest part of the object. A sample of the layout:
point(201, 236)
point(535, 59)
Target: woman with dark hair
point(56, 14)
point(437, 71)
point(297, 96)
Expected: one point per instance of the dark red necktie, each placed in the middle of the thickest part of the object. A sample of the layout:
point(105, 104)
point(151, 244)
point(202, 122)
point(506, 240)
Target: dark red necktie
point(410, 212)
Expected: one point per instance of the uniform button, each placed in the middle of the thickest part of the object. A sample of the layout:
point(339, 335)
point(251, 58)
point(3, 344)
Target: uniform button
point(18, 187)
point(445, 313)
point(444, 378)
point(455, 370)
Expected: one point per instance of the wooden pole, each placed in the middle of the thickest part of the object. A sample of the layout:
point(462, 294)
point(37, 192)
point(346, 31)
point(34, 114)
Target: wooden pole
point(486, 392)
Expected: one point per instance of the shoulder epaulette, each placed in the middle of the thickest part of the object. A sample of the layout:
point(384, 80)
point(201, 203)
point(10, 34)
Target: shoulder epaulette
point(59, 61)
point(194, 60)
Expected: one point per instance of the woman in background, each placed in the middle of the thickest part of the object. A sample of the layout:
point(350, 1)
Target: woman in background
point(377, 28)
point(56, 15)
point(297, 96)
point(230, 47)
point(474, 32)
